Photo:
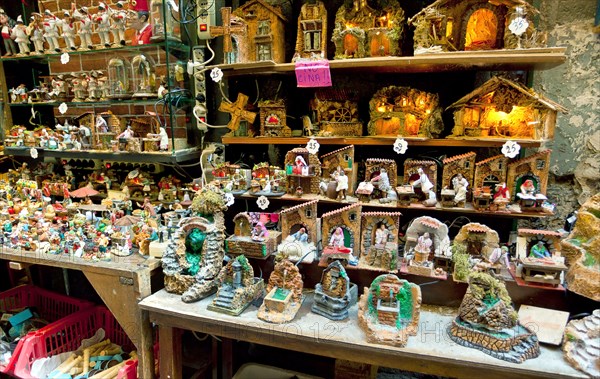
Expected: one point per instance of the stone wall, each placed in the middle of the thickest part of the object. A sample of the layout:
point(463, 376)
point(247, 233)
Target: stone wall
point(575, 160)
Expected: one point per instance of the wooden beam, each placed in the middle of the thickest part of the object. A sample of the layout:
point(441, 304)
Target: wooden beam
point(170, 353)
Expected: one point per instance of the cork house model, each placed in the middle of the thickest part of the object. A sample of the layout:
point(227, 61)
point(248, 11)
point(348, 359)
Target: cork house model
point(348, 219)
point(411, 174)
point(527, 238)
point(312, 30)
point(263, 39)
point(300, 216)
point(362, 31)
point(273, 121)
point(463, 164)
point(450, 25)
point(307, 181)
point(534, 168)
point(373, 168)
point(490, 172)
point(478, 239)
point(405, 111)
point(384, 256)
point(335, 112)
point(501, 108)
point(241, 241)
point(343, 158)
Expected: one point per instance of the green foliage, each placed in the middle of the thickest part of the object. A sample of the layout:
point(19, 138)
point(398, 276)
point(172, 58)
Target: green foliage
point(405, 299)
point(570, 337)
point(208, 201)
point(243, 261)
point(194, 242)
point(460, 257)
point(483, 285)
point(589, 260)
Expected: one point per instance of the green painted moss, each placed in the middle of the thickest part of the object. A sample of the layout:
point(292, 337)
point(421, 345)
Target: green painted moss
point(460, 257)
point(405, 298)
point(194, 243)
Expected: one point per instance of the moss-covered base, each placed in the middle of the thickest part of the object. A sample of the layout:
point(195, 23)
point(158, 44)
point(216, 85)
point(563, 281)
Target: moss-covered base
point(516, 345)
point(275, 317)
point(178, 283)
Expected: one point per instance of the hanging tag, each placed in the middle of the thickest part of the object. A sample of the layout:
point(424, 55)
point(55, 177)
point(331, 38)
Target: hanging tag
point(33, 152)
point(400, 146)
point(63, 108)
point(511, 149)
point(65, 58)
point(313, 146)
point(262, 202)
point(229, 199)
point(313, 73)
point(518, 26)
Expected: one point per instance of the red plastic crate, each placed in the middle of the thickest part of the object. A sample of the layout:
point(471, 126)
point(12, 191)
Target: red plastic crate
point(66, 335)
point(50, 306)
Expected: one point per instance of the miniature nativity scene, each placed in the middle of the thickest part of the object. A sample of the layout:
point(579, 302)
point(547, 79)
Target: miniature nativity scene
point(527, 178)
point(364, 31)
point(267, 180)
point(476, 248)
point(238, 287)
point(490, 191)
point(334, 294)
point(502, 108)
point(284, 294)
point(251, 236)
point(487, 322)
point(454, 25)
point(539, 257)
point(335, 113)
point(379, 241)
point(427, 248)
point(299, 230)
point(405, 112)
point(303, 172)
point(389, 310)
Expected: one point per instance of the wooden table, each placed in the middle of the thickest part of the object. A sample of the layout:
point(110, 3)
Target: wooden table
point(431, 351)
point(121, 283)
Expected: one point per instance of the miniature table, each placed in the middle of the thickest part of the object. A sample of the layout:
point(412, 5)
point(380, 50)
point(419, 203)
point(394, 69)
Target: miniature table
point(121, 284)
point(431, 351)
point(532, 267)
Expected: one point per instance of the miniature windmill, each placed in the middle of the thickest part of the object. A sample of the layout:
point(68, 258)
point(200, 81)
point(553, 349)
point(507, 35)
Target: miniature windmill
point(238, 112)
point(226, 31)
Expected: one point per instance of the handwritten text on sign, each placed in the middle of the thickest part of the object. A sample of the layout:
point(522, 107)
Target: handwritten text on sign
point(313, 73)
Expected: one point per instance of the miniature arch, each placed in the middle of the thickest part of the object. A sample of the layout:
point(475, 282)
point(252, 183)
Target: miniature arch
point(243, 224)
point(297, 226)
point(520, 179)
point(484, 11)
point(349, 237)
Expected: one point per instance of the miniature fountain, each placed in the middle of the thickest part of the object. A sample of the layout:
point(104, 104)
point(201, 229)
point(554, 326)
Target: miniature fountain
point(334, 295)
point(284, 294)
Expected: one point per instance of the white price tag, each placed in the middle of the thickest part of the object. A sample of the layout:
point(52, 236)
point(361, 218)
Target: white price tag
point(65, 58)
point(33, 152)
point(262, 202)
point(229, 199)
point(63, 108)
point(313, 146)
point(518, 26)
point(216, 74)
point(511, 149)
point(400, 146)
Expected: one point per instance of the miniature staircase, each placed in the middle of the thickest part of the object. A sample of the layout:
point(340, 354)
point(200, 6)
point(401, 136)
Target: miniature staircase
point(225, 299)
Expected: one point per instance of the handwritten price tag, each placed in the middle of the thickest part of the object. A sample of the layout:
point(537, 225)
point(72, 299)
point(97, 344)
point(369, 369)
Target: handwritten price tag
point(313, 146)
point(262, 202)
point(313, 73)
point(400, 146)
point(511, 149)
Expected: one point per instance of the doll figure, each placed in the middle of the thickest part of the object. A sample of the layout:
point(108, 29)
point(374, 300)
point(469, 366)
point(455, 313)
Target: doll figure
point(381, 236)
point(79, 88)
point(259, 232)
point(299, 165)
point(36, 34)
point(119, 19)
point(539, 250)
point(85, 31)
point(143, 29)
point(68, 31)
point(342, 184)
point(102, 21)
point(127, 133)
point(460, 186)
point(164, 139)
point(337, 238)
point(423, 182)
point(6, 26)
point(19, 34)
point(51, 31)
point(59, 88)
point(92, 88)
point(528, 188)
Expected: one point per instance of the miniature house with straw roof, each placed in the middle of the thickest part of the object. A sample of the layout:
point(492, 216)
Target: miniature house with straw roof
point(502, 108)
point(450, 25)
point(362, 31)
point(405, 111)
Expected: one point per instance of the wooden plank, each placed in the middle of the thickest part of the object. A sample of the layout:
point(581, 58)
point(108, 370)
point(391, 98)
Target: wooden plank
point(431, 351)
point(170, 353)
point(227, 358)
point(376, 141)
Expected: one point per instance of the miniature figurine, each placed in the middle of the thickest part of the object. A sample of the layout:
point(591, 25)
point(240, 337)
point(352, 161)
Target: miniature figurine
point(19, 34)
point(300, 235)
point(79, 85)
point(164, 138)
point(460, 186)
point(299, 165)
point(51, 31)
point(6, 25)
point(259, 232)
point(36, 33)
point(103, 27)
point(527, 188)
point(256, 242)
point(85, 30)
point(92, 88)
point(539, 250)
point(502, 196)
point(68, 30)
point(143, 29)
point(342, 185)
point(127, 133)
point(119, 21)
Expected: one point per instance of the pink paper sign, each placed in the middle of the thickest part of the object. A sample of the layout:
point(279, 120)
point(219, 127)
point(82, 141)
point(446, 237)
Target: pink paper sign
point(313, 73)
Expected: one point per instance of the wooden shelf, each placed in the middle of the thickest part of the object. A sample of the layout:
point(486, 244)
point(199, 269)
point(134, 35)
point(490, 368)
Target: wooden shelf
point(523, 59)
point(376, 141)
point(431, 351)
point(469, 209)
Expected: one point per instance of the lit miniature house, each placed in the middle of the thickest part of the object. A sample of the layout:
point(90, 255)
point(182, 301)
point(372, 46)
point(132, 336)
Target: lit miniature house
point(362, 31)
point(303, 171)
point(294, 245)
point(263, 39)
point(389, 310)
point(450, 25)
point(341, 158)
point(405, 111)
point(340, 232)
point(119, 74)
point(335, 113)
point(527, 179)
point(501, 108)
point(312, 30)
point(273, 119)
point(379, 240)
point(243, 241)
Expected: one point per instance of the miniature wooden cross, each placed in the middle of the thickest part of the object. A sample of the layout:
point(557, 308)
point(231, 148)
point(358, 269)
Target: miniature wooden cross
point(226, 30)
point(237, 112)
